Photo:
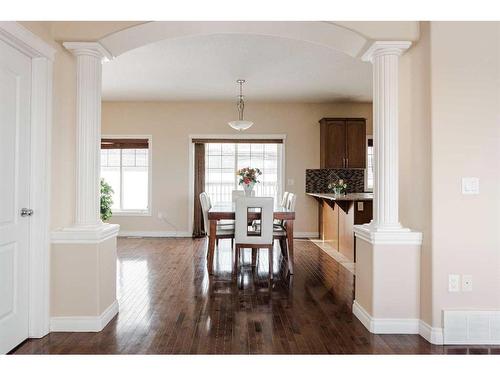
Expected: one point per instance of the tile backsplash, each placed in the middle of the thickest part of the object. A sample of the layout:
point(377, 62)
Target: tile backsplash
point(317, 180)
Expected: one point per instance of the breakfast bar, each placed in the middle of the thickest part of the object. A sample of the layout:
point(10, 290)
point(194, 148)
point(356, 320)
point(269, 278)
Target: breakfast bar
point(337, 215)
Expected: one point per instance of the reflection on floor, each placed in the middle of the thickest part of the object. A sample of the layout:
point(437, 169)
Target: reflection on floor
point(328, 248)
point(169, 304)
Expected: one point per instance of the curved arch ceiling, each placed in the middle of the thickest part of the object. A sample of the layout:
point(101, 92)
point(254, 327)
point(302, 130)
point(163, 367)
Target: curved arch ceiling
point(195, 62)
point(327, 34)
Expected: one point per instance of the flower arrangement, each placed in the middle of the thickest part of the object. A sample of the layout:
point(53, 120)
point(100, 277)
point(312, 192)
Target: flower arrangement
point(338, 187)
point(248, 176)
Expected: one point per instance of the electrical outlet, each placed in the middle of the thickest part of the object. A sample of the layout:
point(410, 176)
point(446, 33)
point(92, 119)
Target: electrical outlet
point(467, 283)
point(453, 283)
point(290, 182)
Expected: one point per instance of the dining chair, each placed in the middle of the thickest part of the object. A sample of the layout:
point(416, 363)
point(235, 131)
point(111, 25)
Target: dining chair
point(235, 194)
point(249, 236)
point(284, 199)
point(279, 231)
point(222, 230)
point(291, 200)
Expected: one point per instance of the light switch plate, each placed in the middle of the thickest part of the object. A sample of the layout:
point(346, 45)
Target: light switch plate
point(470, 185)
point(466, 283)
point(290, 182)
point(361, 206)
point(453, 283)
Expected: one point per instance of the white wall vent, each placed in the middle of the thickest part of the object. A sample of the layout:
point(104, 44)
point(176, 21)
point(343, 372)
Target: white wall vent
point(472, 327)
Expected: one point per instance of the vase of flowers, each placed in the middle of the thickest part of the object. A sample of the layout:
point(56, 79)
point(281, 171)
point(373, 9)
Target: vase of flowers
point(247, 177)
point(338, 187)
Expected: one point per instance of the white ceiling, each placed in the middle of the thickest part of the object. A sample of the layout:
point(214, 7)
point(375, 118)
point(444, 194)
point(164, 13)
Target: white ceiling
point(207, 67)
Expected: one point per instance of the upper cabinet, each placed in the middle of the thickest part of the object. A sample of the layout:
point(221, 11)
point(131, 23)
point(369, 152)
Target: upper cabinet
point(342, 143)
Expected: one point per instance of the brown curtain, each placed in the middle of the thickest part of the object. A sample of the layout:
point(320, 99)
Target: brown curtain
point(199, 187)
point(229, 140)
point(124, 143)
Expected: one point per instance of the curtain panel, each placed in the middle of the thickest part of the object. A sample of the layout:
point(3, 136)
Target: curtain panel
point(199, 187)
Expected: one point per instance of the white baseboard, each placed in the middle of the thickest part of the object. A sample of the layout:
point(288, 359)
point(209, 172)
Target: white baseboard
point(305, 235)
point(432, 334)
point(166, 234)
point(398, 326)
point(385, 326)
point(84, 323)
point(125, 233)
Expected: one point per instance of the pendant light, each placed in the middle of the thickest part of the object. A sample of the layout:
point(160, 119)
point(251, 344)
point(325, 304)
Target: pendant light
point(240, 124)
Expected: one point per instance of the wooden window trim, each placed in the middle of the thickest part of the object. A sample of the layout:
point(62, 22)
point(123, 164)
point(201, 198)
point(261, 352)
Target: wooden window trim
point(124, 143)
point(229, 140)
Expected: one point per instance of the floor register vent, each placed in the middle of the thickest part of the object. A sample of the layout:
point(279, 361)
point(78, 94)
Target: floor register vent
point(472, 327)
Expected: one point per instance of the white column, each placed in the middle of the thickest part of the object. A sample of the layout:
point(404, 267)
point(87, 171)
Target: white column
point(385, 59)
point(89, 57)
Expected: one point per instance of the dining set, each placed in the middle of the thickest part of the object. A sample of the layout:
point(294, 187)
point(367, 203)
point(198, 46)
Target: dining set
point(250, 222)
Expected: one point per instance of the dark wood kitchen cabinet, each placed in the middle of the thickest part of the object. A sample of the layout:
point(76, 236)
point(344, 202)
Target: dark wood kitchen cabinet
point(343, 142)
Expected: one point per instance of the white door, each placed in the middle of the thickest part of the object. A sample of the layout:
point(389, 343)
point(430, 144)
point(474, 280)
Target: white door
point(15, 94)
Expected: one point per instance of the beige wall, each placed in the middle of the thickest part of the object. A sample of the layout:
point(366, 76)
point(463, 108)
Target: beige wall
point(415, 203)
point(465, 84)
point(170, 124)
point(449, 113)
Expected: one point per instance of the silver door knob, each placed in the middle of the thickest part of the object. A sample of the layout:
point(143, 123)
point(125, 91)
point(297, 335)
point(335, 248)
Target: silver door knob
point(26, 212)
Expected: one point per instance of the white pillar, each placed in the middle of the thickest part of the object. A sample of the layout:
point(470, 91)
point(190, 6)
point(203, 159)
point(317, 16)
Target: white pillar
point(89, 57)
point(387, 295)
point(385, 59)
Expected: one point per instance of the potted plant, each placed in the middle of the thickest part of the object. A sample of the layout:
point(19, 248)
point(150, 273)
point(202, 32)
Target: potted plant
point(106, 200)
point(338, 187)
point(248, 178)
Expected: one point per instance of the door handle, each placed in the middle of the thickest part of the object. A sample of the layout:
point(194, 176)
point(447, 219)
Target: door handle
point(26, 212)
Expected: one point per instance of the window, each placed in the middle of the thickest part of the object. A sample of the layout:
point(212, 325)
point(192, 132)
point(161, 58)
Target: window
point(369, 164)
point(222, 160)
point(125, 165)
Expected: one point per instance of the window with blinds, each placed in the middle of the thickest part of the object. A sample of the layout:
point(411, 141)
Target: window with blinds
point(125, 165)
point(223, 159)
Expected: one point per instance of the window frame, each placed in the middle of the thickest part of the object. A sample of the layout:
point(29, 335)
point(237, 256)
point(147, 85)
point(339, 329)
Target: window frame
point(239, 137)
point(135, 212)
point(279, 167)
point(367, 189)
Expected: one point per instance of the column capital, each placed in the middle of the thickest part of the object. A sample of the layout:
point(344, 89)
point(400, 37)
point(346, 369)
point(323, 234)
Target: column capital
point(89, 49)
point(379, 48)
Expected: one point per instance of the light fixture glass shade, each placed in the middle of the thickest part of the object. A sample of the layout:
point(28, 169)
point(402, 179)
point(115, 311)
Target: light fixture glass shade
point(240, 124)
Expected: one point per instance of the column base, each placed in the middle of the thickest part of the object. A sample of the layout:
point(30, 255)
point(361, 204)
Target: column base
point(387, 291)
point(85, 234)
point(83, 278)
point(387, 235)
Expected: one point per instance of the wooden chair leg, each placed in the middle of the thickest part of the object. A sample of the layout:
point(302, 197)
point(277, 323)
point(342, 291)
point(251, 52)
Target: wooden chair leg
point(283, 247)
point(236, 255)
point(271, 263)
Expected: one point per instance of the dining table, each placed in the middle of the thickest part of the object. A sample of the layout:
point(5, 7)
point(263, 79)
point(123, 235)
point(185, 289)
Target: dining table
point(227, 211)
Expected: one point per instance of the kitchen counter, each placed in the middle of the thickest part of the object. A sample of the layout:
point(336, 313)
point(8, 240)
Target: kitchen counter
point(338, 213)
point(344, 197)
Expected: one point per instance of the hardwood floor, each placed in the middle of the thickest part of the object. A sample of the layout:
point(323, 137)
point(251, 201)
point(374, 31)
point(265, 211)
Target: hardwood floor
point(169, 305)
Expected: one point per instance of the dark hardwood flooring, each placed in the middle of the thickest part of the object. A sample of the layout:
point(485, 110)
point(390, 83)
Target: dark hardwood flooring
point(169, 305)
